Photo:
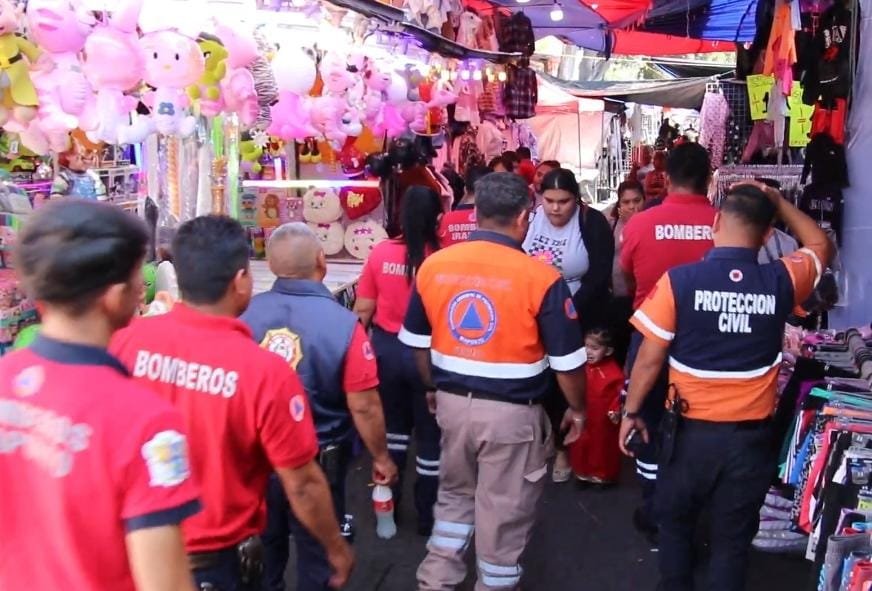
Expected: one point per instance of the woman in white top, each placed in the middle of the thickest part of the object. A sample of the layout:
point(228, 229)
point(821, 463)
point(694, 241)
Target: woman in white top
point(577, 240)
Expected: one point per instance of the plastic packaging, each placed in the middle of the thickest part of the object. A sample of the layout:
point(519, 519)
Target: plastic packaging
point(383, 505)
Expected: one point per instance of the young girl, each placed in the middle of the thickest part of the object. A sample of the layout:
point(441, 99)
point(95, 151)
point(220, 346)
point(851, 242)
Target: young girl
point(595, 456)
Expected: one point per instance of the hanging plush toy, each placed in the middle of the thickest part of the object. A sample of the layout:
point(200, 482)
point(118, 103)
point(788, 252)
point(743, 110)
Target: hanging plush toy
point(321, 206)
point(237, 87)
point(294, 73)
point(114, 66)
point(361, 237)
point(64, 93)
point(215, 67)
point(330, 235)
point(264, 81)
point(18, 99)
point(172, 63)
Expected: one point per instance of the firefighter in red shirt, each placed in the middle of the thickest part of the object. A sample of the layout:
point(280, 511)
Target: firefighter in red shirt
point(95, 470)
point(457, 225)
point(655, 240)
point(246, 411)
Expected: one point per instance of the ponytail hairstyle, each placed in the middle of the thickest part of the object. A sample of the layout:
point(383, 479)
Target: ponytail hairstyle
point(419, 220)
point(562, 179)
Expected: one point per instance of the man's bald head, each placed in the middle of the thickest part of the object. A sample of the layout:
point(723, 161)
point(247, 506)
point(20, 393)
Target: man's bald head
point(294, 252)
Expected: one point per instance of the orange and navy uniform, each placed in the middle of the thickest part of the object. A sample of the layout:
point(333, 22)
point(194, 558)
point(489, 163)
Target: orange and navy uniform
point(723, 320)
point(493, 318)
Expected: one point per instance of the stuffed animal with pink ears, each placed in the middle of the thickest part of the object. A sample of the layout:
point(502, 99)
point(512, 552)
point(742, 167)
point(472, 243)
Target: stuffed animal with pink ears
point(60, 28)
point(114, 66)
point(172, 63)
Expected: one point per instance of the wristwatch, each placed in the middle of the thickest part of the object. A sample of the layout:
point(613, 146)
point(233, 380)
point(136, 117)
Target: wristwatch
point(625, 414)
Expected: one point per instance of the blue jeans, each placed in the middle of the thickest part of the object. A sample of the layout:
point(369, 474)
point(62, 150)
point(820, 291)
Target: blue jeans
point(313, 571)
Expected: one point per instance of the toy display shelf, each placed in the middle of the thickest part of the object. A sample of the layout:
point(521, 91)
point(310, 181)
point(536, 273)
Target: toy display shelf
point(310, 184)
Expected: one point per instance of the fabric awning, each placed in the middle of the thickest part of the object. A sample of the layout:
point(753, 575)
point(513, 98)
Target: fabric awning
point(679, 93)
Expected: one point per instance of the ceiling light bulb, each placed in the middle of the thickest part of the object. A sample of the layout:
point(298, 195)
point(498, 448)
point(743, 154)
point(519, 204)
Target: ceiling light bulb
point(557, 12)
point(502, 77)
point(522, 1)
point(594, 6)
point(464, 74)
point(476, 75)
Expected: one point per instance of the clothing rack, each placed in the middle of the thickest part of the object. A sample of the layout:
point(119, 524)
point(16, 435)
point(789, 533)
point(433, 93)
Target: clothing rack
point(787, 175)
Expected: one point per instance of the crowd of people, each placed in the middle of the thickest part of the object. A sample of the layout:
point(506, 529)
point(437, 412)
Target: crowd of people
point(182, 451)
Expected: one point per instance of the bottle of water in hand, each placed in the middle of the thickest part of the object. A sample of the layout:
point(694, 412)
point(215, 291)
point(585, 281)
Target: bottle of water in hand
point(383, 505)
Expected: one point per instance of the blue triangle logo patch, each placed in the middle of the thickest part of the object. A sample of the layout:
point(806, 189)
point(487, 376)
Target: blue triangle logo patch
point(471, 320)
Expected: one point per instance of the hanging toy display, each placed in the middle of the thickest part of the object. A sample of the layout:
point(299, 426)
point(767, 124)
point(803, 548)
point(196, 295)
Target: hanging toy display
point(173, 62)
point(215, 67)
point(18, 99)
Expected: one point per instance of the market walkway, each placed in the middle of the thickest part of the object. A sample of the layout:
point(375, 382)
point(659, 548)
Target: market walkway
point(584, 541)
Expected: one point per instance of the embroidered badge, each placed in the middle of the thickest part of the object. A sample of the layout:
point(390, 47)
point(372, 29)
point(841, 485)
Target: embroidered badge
point(285, 344)
point(166, 455)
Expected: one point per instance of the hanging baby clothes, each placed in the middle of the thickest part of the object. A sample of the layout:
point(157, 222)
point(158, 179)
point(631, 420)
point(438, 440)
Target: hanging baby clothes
point(713, 127)
point(490, 140)
point(486, 38)
point(781, 50)
point(470, 24)
point(427, 13)
point(466, 107)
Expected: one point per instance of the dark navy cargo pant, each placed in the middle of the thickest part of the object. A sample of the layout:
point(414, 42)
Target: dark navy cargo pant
point(224, 576)
point(727, 468)
point(405, 406)
point(313, 571)
point(651, 412)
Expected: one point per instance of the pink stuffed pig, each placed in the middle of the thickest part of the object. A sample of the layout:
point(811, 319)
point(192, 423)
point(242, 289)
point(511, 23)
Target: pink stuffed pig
point(172, 63)
point(238, 94)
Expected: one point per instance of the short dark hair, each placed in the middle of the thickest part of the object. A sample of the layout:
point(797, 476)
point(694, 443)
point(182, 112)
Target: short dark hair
point(70, 252)
point(562, 179)
point(549, 164)
point(501, 197)
point(689, 166)
point(473, 174)
point(750, 205)
point(524, 153)
point(601, 335)
point(208, 252)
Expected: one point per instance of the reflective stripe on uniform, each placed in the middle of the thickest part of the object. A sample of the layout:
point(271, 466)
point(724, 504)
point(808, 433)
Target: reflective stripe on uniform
point(652, 326)
point(397, 437)
point(724, 375)
point(417, 341)
point(426, 472)
point(421, 461)
point(398, 446)
point(568, 362)
point(485, 369)
point(647, 475)
point(817, 263)
point(453, 527)
point(451, 535)
point(426, 467)
point(645, 466)
point(494, 575)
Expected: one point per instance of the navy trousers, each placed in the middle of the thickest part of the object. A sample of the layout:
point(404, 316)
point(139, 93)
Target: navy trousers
point(728, 468)
point(224, 576)
point(405, 406)
point(651, 412)
point(313, 571)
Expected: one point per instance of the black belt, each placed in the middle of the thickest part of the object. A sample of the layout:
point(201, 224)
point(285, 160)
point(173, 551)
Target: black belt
point(14, 59)
point(212, 558)
point(738, 425)
point(491, 397)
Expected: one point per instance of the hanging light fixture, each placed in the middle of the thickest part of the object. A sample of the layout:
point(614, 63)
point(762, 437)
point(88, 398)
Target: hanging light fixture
point(556, 12)
point(522, 1)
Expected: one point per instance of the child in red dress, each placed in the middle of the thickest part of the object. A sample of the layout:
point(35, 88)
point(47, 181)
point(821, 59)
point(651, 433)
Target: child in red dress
point(595, 456)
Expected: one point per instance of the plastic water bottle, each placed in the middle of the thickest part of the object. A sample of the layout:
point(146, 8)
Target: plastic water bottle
point(347, 528)
point(383, 505)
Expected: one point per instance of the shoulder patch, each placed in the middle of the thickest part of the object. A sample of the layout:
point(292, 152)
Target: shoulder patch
point(166, 455)
point(298, 408)
point(284, 343)
point(569, 309)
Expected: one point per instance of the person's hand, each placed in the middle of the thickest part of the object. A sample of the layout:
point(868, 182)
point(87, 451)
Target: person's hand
point(384, 471)
point(431, 402)
point(341, 560)
point(774, 194)
point(573, 424)
point(628, 424)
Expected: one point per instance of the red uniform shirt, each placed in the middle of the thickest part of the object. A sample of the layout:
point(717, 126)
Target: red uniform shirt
point(361, 371)
point(244, 408)
point(655, 240)
point(457, 225)
point(384, 280)
point(86, 456)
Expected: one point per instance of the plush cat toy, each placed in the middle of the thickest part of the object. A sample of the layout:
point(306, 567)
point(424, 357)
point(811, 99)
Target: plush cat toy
point(361, 237)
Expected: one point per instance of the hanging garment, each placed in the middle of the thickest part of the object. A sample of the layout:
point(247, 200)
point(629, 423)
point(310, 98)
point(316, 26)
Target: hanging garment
point(829, 75)
point(781, 49)
point(762, 139)
point(470, 24)
point(466, 107)
point(521, 93)
point(516, 35)
point(486, 38)
point(830, 121)
point(490, 140)
point(713, 125)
